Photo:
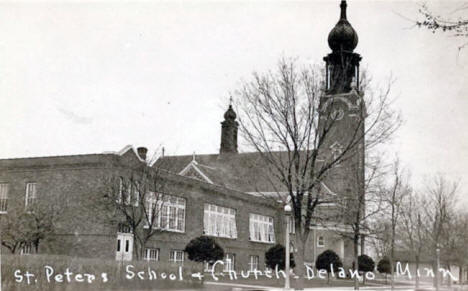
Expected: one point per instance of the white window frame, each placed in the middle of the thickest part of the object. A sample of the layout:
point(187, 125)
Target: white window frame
point(219, 221)
point(26, 249)
point(171, 211)
point(4, 187)
point(261, 228)
point(177, 256)
point(320, 241)
point(136, 194)
point(229, 262)
point(30, 195)
point(151, 254)
point(253, 262)
point(128, 193)
point(120, 192)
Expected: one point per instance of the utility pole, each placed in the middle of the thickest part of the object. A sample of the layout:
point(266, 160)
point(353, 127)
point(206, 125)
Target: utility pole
point(287, 218)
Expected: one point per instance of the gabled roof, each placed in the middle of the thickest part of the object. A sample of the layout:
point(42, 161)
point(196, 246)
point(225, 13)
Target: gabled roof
point(245, 172)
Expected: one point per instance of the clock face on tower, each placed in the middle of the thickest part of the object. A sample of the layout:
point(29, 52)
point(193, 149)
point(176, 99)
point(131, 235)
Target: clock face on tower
point(337, 114)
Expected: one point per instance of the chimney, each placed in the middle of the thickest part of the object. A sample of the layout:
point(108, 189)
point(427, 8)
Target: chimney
point(229, 132)
point(142, 152)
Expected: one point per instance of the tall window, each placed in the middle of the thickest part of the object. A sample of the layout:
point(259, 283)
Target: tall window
point(120, 191)
point(167, 211)
point(3, 197)
point(219, 221)
point(136, 194)
point(31, 195)
point(261, 228)
point(151, 254)
point(176, 256)
point(253, 263)
point(229, 262)
point(26, 249)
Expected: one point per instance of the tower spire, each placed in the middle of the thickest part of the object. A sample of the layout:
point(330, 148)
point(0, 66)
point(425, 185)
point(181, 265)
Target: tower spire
point(343, 6)
point(229, 131)
point(342, 64)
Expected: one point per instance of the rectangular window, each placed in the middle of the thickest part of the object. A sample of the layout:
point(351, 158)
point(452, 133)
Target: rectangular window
point(166, 211)
point(3, 197)
point(120, 191)
point(136, 194)
point(229, 262)
point(219, 221)
point(151, 254)
point(26, 249)
point(320, 241)
point(261, 228)
point(253, 263)
point(31, 195)
point(128, 193)
point(176, 256)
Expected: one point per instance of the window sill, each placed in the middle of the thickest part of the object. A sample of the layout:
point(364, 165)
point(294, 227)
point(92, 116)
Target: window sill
point(262, 242)
point(168, 230)
point(220, 236)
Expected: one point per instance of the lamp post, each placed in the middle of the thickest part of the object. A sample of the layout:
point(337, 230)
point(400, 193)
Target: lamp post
point(287, 215)
point(437, 266)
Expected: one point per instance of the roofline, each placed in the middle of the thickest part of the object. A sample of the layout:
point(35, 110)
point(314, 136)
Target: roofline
point(105, 153)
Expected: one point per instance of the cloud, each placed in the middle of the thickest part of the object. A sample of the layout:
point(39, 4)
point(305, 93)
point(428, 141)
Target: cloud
point(74, 117)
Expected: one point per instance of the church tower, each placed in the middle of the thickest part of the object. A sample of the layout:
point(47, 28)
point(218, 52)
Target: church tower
point(342, 109)
point(229, 129)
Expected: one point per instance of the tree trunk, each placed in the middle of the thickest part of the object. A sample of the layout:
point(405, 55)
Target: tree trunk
point(356, 266)
point(417, 268)
point(299, 259)
point(460, 274)
point(392, 273)
point(449, 278)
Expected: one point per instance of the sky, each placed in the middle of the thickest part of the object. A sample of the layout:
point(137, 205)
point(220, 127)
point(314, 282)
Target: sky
point(81, 77)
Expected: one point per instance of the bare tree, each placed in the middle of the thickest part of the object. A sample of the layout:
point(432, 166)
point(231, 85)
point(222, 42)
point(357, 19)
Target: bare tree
point(412, 227)
point(396, 193)
point(357, 211)
point(26, 228)
point(137, 202)
point(441, 198)
point(284, 118)
point(454, 23)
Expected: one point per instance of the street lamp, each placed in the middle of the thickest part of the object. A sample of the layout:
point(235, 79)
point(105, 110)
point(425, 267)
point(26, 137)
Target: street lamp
point(287, 215)
point(437, 266)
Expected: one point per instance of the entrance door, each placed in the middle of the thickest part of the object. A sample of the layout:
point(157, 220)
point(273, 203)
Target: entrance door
point(124, 249)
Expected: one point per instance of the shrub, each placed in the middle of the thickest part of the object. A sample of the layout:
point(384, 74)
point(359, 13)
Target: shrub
point(365, 264)
point(384, 267)
point(275, 256)
point(204, 249)
point(326, 259)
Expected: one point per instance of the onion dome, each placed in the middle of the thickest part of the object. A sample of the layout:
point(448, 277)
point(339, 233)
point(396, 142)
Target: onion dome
point(343, 36)
point(230, 114)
